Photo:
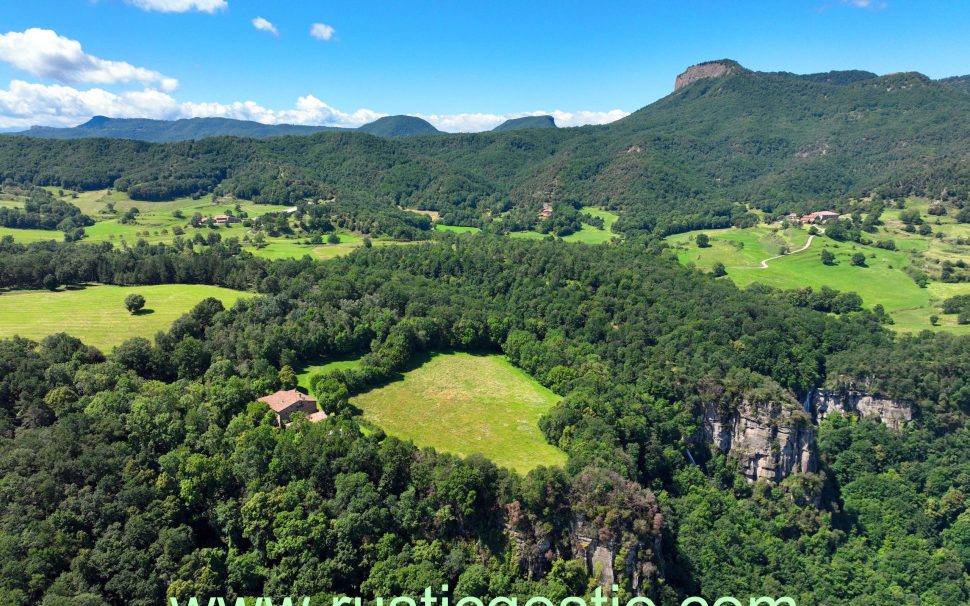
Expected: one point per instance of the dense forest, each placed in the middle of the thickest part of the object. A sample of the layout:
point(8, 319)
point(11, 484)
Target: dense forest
point(700, 157)
point(151, 471)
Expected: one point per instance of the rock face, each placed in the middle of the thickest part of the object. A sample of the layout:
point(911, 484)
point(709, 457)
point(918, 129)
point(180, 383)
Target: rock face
point(611, 559)
point(610, 524)
point(709, 69)
point(770, 439)
point(892, 413)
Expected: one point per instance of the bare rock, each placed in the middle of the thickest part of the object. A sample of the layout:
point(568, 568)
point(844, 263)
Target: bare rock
point(708, 69)
point(892, 413)
point(770, 439)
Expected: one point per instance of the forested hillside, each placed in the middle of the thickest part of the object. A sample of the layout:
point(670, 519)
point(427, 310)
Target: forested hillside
point(693, 159)
point(151, 471)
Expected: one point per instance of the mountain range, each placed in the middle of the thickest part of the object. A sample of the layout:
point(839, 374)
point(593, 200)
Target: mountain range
point(727, 139)
point(167, 131)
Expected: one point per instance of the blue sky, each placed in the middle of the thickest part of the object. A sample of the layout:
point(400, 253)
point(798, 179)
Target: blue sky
point(463, 65)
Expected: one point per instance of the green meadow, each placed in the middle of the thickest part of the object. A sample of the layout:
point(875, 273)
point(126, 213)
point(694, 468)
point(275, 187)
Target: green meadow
point(594, 235)
point(464, 404)
point(308, 371)
point(882, 281)
point(587, 233)
point(97, 314)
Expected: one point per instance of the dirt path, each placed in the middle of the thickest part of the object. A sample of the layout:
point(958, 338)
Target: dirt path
point(764, 262)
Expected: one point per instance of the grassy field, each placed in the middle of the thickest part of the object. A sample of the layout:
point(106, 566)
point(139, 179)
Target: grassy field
point(586, 235)
point(882, 281)
point(737, 247)
point(97, 314)
point(464, 404)
point(26, 236)
point(594, 235)
point(154, 222)
point(304, 373)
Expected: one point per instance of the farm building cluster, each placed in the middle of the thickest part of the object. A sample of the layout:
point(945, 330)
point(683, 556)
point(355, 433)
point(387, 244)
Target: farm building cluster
point(820, 216)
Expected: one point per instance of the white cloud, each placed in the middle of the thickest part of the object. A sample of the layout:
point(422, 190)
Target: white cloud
point(322, 31)
point(43, 53)
point(26, 104)
point(265, 26)
point(180, 6)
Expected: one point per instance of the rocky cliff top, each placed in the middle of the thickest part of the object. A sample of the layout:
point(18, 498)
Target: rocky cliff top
point(708, 69)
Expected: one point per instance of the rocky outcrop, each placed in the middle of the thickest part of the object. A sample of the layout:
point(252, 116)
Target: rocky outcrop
point(770, 439)
point(611, 560)
point(610, 524)
point(709, 69)
point(892, 413)
point(532, 542)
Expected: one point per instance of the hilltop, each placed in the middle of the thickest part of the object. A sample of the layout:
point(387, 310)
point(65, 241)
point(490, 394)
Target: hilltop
point(399, 126)
point(959, 83)
point(526, 122)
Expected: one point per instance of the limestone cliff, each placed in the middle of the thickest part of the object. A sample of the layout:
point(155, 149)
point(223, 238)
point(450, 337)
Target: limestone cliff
point(612, 525)
point(771, 439)
point(846, 400)
point(708, 69)
point(616, 528)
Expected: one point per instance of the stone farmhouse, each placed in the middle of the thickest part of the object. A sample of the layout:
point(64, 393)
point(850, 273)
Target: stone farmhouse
point(286, 402)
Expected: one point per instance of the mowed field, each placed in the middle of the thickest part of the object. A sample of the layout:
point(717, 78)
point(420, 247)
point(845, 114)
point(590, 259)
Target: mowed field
point(97, 314)
point(464, 404)
point(882, 281)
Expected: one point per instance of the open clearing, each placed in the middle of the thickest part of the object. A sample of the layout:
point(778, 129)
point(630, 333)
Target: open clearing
point(586, 235)
point(464, 404)
point(882, 281)
point(97, 314)
point(306, 372)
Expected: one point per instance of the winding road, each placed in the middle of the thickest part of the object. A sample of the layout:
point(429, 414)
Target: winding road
point(764, 262)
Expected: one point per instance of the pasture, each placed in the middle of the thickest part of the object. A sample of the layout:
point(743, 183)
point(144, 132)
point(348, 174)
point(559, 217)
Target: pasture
point(306, 372)
point(882, 281)
point(464, 404)
point(97, 314)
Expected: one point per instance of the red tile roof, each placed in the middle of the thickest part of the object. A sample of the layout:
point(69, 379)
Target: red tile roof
point(283, 399)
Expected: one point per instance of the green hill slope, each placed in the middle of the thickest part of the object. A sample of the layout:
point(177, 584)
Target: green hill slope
point(399, 126)
point(526, 122)
point(727, 140)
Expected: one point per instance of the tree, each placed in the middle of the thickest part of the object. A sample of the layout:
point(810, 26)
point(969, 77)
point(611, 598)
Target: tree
point(702, 241)
point(963, 216)
point(934, 320)
point(910, 217)
point(718, 270)
point(134, 303)
point(924, 229)
point(858, 260)
point(367, 242)
point(287, 377)
point(50, 282)
point(828, 258)
point(333, 239)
